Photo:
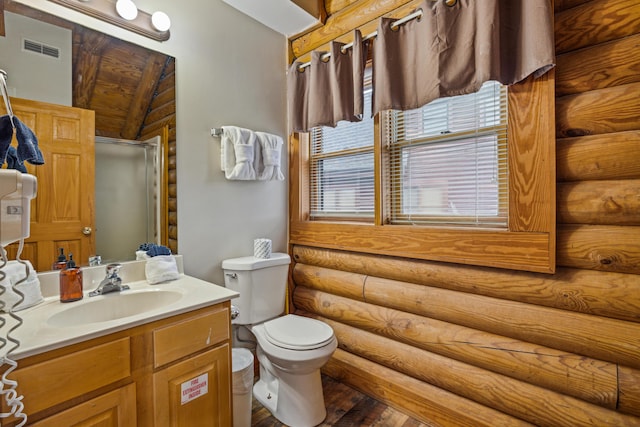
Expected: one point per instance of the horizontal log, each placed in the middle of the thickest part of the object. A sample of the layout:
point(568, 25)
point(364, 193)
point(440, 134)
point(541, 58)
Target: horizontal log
point(350, 285)
point(173, 232)
point(560, 5)
point(422, 401)
point(583, 25)
point(601, 293)
point(333, 6)
point(599, 157)
point(173, 190)
point(173, 218)
point(614, 109)
point(599, 202)
point(599, 247)
point(629, 390)
point(347, 19)
point(516, 398)
point(585, 69)
point(578, 376)
point(597, 337)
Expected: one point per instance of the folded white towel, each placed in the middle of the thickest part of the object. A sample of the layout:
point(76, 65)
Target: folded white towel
point(239, 147)
point(25, 280)
point(270, 160)
point(141, 255)
point(161, 268)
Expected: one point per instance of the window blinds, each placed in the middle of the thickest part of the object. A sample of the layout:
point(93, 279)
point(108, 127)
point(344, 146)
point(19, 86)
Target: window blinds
point(341, 171)
point(448, 160)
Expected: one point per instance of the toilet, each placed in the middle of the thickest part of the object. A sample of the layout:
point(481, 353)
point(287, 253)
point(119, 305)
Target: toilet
point(290, 349)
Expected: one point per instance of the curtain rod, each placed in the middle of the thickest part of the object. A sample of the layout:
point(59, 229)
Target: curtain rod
point(394, 25)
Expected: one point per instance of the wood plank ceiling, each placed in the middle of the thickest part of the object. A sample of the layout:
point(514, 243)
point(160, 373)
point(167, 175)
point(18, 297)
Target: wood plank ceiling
point(116, 79)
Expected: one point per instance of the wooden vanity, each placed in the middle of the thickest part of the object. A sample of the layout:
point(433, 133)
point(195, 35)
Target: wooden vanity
point(171, 372)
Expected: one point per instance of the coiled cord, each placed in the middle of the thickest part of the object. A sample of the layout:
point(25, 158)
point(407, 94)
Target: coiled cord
point(7, 386)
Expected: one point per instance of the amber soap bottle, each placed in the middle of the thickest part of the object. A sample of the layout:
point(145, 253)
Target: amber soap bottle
point(71, 282)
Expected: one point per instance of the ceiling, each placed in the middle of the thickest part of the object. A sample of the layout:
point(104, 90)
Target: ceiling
point(116, 79)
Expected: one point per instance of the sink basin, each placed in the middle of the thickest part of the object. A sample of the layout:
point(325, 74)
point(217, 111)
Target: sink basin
point(112, 307)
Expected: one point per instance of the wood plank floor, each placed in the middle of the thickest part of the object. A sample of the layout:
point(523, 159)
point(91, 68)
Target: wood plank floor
point(346, 407)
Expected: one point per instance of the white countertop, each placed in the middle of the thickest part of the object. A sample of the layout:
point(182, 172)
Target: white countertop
point(37, 334)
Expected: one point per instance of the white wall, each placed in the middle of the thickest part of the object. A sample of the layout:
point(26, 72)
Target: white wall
point(31, 75)
point(230, 71)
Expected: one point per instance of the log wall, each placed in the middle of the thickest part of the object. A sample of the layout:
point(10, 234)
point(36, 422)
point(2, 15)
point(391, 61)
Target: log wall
point(462, 345)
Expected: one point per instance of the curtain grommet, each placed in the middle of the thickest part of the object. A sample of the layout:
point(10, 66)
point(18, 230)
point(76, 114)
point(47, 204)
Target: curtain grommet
point(450, 3)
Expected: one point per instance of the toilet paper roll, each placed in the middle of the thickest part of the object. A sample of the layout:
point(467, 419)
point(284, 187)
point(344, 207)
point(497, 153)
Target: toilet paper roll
point(262, 248)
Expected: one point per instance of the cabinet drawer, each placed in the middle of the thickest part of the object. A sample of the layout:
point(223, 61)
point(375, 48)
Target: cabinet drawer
point(183, 338)
point(66, 377)
point(116, 408)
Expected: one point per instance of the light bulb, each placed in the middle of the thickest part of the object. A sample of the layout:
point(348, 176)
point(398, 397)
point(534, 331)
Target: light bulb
point(160, 21)
point(127, 9)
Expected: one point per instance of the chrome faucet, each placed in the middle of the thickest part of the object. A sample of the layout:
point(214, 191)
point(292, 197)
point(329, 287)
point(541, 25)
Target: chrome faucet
point(111, 283)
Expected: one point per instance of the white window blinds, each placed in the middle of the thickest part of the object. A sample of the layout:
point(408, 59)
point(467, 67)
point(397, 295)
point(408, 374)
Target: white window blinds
point(448, 160)
point(341, 171)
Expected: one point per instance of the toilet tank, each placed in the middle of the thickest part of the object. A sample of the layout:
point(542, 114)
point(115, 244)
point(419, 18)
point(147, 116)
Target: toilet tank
point(262, 284)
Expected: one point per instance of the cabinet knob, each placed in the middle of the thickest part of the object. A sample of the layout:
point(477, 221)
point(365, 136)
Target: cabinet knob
point(87, 231)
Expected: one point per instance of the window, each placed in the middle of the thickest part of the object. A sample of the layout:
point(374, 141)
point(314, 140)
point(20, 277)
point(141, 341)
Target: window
point(525, 240)
point(447, 163)
point(341, 168)
point(448, 160)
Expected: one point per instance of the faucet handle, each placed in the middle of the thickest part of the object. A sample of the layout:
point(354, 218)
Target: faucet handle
point(113, 269)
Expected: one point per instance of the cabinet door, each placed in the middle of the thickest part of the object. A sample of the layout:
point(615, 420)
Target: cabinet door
point(116, 408)
point(194, 392)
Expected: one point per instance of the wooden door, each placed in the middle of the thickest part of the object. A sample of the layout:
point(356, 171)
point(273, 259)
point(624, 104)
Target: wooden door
point(195, 392)
point(64, 207)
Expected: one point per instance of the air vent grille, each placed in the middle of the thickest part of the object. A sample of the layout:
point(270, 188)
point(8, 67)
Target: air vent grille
point(43, 49)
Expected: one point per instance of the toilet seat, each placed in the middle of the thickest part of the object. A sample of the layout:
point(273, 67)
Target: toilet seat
point(295, 332)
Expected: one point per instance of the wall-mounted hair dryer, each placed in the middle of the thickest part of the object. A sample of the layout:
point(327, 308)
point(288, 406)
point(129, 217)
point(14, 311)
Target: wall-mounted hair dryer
point(16, 191)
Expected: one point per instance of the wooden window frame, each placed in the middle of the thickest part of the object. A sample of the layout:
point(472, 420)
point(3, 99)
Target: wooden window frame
point(529, 242)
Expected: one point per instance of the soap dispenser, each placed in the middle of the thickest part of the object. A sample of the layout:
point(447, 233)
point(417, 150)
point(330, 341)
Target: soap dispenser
point(71, 282)
point(61, 263)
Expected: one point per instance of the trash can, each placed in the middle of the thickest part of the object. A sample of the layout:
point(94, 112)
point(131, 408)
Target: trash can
point(242, 368)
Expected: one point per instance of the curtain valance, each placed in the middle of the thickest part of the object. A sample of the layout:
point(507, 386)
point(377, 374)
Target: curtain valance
point(449, 50)
point(328, 91)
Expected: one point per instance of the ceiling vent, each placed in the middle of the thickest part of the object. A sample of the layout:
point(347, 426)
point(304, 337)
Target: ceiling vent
point(42, 49)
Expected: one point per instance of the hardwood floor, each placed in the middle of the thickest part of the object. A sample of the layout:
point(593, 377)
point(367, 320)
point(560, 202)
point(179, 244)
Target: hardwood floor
point(346, 407)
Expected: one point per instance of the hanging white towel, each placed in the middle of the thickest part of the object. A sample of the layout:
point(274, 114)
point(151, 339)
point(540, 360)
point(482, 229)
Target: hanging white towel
point(30, 288)
point(239, 146)
point(271, 146)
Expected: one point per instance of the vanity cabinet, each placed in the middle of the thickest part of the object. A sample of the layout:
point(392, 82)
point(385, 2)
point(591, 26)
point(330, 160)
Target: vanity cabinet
point(170, 372)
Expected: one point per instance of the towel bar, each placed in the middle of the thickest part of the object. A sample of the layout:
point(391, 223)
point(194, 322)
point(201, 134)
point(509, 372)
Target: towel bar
point(216, 132)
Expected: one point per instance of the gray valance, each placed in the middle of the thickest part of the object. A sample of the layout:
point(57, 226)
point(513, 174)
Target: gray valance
point(449, 50)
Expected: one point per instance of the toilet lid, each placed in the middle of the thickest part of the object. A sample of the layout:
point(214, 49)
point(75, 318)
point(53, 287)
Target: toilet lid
point(297, 332)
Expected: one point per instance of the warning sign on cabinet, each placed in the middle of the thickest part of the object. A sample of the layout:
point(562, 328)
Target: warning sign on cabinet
point(192, 389)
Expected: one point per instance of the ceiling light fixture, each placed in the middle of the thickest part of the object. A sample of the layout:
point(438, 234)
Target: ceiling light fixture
point(124, 14)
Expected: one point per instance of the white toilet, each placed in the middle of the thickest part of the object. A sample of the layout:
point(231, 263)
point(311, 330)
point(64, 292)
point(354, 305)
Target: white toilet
point(291, 349)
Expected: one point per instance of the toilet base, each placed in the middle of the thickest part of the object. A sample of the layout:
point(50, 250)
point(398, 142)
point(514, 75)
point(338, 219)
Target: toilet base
point(295, 400)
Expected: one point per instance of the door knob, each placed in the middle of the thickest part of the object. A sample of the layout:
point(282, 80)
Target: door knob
point(86, 231)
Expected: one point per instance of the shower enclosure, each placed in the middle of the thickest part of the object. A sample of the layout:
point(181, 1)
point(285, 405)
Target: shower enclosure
point(128, 202)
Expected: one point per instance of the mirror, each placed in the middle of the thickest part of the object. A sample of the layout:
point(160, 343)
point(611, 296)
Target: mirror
point(131, 89)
